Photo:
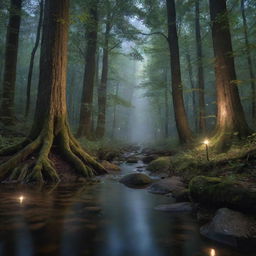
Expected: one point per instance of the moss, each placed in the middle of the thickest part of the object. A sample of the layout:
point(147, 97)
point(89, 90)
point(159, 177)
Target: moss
point(161, 164)
point(222, 193)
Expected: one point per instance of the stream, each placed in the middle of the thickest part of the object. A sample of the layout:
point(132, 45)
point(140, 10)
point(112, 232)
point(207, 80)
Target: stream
point(105, 219)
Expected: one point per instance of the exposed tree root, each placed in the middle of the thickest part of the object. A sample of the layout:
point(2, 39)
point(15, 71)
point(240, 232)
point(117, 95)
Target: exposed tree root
point(32, 163)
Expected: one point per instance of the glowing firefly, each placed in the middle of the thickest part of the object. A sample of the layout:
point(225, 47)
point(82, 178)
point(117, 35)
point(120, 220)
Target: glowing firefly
point(21, 199)
point(212, 252)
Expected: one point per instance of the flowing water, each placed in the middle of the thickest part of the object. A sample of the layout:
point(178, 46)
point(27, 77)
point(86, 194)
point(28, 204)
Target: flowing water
point(105, 219)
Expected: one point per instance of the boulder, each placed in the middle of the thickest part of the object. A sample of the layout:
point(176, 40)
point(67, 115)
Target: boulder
point(160, 165)
point(177, 207)
point(230, 227)
point(149, 158)
point(132, 160)
point(165, 186)
point(209, 191)
point(110, 166)
point(136, 179)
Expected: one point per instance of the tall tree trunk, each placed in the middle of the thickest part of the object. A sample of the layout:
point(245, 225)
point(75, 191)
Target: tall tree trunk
point(85, 122)
point(190, 73)
point(200, 71)
point(31, 65)
point(102, 91)
point(50, 134)
point(184, 132)
point(249, 60)
point(166, 126)
point(7, 115)
point(114, 113)
point(230, 115)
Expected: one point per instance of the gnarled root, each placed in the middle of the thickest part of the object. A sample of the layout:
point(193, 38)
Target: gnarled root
point(32, 163)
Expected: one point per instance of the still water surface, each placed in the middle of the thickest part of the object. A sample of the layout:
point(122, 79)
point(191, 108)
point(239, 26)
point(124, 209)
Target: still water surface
point(106, 219)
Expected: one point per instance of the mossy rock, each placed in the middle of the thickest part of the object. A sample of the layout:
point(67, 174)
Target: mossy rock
point(161, 164)
point(216, 192)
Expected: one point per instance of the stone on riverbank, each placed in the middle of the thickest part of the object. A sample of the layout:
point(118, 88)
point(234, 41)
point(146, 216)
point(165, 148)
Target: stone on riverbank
point(177, 207)
point(160, 165)
point(230, 227)
point(216, 192)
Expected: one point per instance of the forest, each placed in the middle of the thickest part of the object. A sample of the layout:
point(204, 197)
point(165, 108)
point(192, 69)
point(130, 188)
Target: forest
point(128, 127)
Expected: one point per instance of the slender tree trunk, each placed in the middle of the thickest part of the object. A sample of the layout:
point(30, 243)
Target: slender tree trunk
point(7, 115)
point(184, 132)
point(50, 134)
point(190, 73)
point(114, 113)
point(200, 71)
point(31, 65)
point(102, 92)
point(230, 115)
point(250, 66)
point(166, 126)
point(85, 122)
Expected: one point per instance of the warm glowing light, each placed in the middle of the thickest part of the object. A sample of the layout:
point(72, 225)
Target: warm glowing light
point(206, 142)
point(212, 252)
point(21, 199)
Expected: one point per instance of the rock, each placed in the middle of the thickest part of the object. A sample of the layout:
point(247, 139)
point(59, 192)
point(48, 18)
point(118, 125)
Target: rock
point(110, 166)
point(181, 195)
point(161, 164)
point(204, 215)
point(165, 186)
point(132, 160)
point(148, 159)
point(230, 227)
point(216, 192)
point(136, 179)
point(177, 207)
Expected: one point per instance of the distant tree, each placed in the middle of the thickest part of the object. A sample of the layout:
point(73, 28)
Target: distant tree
point(85, 121)
point(33, 53)
point(230, 115)
point(184, 132)
point(200, 70)
point(50, 133)
point(7, 115)
point(250, 63)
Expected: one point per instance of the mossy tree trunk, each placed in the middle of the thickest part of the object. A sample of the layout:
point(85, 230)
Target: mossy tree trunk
point(85, 122)
point(7, 115)
point(50, 131)
point(230, 115)
point(184, 132)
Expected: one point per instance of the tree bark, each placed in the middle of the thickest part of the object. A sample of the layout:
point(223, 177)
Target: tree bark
point(33, 53)
point(85, 122)
point(7, 115)
point(50, 132)
point(200, 71)
point(250, 66)
point(102, 91)
point(230, 115)
point(184, 132)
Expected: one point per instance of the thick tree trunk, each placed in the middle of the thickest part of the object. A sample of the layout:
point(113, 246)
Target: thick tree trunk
point(7, 115)
point(200, 71)
point(31, 65)
point(50, 132)
point(230, 115)
point(184, 132)
point(166, 121)
point(102, 91)
point(85, 122)
point(114, 113)
point(250, 66)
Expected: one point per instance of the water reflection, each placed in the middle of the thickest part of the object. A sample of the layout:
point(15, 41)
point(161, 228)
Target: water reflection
point(103, 219)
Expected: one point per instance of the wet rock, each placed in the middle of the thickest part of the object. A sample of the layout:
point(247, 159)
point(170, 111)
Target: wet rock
point(110, 166)
point(165, 186)
point(204, 215)
point(230, 227)
point(148, 159)
point(181, 195)
point(210, 192)
point(160, 165)
point(136, 179)
point(132, 160)
point(177, 207)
